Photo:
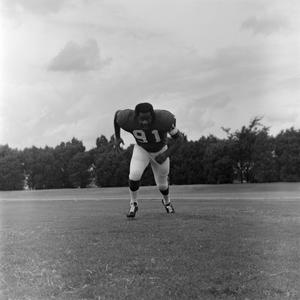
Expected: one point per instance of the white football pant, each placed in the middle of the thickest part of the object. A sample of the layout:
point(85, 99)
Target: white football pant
point(140, 160)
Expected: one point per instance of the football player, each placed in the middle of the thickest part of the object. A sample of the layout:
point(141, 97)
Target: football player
point(149, 128)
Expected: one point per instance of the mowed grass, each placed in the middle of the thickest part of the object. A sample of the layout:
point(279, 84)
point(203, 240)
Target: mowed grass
point(224, 242)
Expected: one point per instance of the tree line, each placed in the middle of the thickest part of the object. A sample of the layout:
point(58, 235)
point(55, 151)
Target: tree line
point(249, 154)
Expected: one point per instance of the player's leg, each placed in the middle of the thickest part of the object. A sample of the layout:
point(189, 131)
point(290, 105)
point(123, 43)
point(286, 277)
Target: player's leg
point(138, 164)
point(161, 173)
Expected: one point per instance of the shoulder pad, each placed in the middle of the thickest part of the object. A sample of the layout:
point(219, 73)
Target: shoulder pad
point(165, 119)
point(124, 116)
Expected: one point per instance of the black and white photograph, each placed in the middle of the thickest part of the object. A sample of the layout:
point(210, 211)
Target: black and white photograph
point(149, 149)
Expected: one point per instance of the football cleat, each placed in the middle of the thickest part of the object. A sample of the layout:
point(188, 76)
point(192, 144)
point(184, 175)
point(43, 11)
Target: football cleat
point(133, 209)
point(169, 207)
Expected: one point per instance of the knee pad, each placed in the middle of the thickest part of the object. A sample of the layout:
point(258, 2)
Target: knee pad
point(164, 189)
point(134, 185)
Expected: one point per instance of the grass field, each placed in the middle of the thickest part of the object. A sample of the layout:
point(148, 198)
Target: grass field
point(224, 242)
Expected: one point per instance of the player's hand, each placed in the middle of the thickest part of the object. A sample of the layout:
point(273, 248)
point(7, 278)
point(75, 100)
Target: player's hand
point(117, 144)
point(161, 158)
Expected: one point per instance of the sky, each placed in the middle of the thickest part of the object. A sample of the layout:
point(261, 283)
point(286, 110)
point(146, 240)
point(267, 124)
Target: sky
point(66, 66)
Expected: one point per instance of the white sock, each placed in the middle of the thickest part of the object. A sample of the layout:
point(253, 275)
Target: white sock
point(133, 197)
point(166, 199)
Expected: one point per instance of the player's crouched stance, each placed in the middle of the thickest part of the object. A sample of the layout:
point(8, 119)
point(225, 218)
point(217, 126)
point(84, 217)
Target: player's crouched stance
point(149, 128)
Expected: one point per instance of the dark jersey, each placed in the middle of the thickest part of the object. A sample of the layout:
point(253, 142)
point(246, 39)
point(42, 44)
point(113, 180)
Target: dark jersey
point(154, 138)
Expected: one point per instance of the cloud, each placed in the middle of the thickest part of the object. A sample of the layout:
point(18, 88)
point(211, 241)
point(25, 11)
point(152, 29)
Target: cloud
point(266, 25)
point(78, 58)
point(225, 69)
point(278, 117)
point(207, 78)
point(34, 6)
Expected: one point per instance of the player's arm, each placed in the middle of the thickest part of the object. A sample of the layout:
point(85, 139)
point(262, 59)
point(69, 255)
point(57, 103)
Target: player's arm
point(177, 138)
point(118, 139)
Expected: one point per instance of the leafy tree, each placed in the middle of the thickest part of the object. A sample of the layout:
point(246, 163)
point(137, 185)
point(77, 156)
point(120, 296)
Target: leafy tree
point(249, 154)
point(42, 169)
point(102, 144)
point(217, 162)
point(111, 168)
point(5, 150)
point(63, 155)
point(11, 169)
point(79, 170)
point(287, 152)
point(243, 143)
point(187, 162)
point(265, 168)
